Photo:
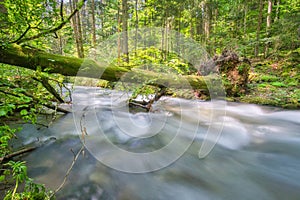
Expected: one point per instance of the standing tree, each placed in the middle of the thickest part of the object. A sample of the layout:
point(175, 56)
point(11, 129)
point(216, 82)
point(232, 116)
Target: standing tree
point(77, 29)
point(269, 19)
point(125, 30)
point(94, 41)
point(259, 23)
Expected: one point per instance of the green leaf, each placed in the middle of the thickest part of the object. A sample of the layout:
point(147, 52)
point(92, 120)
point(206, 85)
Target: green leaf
point(23, 112)
point(3, 113)
point(2, 178)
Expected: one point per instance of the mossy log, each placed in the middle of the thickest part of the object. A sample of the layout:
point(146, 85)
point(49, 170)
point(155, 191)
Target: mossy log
point(70, 66)
point(33, 59)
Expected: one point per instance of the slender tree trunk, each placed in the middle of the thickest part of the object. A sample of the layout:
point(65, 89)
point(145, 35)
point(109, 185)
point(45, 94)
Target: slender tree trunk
point(94, 43)
point(259, 23)
point(119, 37)
point(125, 30)
point(163, 42)
point(178, 32)
point(102, 17)
point(192, 13)
point(168, 27)
point(80, 37)
point(199, 23)
point(269, 13)
point(207, 23)
point(269, 19)
point(136, 26)
point(61, 45)
point(77, 29)
point(216, 13)
point(277, 10)
point(245, 37)
point(84, 22)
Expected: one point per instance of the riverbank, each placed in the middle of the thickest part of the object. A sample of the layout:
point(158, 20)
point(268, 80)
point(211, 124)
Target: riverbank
point(274, 82)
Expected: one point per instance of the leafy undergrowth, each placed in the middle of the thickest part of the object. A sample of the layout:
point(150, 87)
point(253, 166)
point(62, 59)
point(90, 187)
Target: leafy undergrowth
point(23, 98)
point(275, 83)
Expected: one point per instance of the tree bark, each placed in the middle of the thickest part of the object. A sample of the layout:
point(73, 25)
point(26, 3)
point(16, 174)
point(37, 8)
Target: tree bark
point(268, 26)
point(136, 26)
point(77, 29)
point(256, 50)
point(93, 24)
point(124, 30)
point(207, 20)
point(80, 36)
point(119, 31)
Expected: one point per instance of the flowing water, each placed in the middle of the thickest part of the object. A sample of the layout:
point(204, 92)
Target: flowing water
point(256, 155)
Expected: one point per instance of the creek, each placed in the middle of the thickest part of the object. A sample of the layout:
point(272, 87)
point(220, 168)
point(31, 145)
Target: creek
point(183, 150)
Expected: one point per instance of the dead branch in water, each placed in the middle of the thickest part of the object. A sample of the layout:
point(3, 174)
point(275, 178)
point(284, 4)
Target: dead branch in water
point(17, 153)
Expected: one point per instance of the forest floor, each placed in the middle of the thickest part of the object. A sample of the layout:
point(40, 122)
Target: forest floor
point(274, 82)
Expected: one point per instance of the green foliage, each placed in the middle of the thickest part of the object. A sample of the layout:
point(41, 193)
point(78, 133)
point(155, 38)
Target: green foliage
point(32, 191)
point(144, 91)
point(34, 15)
point(22, 98)
point(6, 134)
point(152, 59)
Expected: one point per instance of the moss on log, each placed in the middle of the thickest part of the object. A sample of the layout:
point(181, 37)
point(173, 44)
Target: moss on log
point(33, 58)
point(70, 66)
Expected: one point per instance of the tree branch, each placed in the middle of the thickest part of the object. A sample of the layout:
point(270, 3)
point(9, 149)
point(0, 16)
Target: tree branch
point(23, 35)
point(62, 10)
point(53, 30)
point(46, 84)
point(76, 156)
point(17, 153)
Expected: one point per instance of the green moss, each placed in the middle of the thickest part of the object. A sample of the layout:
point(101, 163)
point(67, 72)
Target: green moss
point(278, 84)
point(269, 78)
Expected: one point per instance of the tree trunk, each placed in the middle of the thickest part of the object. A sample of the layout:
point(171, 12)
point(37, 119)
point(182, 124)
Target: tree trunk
point(268, 26)
point(80, 37)
point(119, 37)
point(245, 36)
point(207, 20)
point(277, 10)
point(94, 40)
point(256, 50)
point(77, 29)
point(136, 26)
point(125, 30)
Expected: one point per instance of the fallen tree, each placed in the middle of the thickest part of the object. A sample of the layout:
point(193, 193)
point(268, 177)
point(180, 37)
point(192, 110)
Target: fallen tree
point(234, 72)
point(31, 58)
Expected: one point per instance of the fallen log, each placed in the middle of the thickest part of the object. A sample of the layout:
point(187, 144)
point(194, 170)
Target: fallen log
point(31, 58)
